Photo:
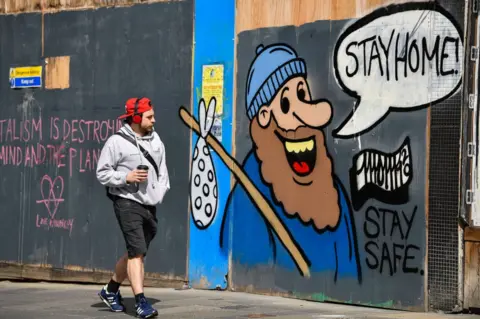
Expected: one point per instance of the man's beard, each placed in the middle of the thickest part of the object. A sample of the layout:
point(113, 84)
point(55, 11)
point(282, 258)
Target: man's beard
point(301, 179)
point(146, 129)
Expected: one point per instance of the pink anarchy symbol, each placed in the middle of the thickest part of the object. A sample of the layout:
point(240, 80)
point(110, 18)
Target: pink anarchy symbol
point(54, 193)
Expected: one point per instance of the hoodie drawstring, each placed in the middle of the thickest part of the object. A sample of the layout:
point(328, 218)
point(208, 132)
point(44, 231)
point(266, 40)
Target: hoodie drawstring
point(138, 148)
point(141, 155)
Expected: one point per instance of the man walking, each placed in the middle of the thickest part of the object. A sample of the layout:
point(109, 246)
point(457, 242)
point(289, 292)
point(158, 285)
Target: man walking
point(133, 168)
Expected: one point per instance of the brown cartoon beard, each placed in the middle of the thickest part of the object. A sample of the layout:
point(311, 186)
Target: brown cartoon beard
point(297, 167)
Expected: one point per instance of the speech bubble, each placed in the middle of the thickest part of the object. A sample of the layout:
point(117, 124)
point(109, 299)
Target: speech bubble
point(398, 58)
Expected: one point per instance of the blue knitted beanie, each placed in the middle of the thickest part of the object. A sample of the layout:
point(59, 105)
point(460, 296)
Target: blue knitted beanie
point(273, 66)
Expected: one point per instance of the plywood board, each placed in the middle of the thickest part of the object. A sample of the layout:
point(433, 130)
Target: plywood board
point(255, 14)
point(57, 72)
point(19, 6)
point(78, 274)
point(472, 275)
point(472, 234)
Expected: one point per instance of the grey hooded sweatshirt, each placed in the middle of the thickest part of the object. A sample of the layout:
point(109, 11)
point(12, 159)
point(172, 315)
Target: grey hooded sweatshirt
point(119, 157)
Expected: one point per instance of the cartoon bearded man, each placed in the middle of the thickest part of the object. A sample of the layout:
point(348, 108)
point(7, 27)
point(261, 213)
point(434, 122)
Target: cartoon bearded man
point(290, 165)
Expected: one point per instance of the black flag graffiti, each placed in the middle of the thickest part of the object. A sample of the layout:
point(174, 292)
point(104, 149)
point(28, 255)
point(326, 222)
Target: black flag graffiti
point(383, 176)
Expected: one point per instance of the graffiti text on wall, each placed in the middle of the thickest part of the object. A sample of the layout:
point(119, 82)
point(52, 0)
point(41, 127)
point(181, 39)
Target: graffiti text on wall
point(415, 48)
point(385, 177)
point(38, 141)
point(383, 252)
point(52, 192)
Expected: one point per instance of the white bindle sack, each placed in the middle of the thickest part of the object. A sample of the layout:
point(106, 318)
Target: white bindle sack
point(203, 184)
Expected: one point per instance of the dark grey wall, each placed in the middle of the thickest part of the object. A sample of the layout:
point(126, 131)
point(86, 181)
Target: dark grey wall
point(144, 50)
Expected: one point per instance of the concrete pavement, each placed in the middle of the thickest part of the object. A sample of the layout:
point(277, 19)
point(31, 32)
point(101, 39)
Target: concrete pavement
point(52, 300)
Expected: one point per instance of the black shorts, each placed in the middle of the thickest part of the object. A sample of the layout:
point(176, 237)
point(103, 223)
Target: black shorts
point(138, 224)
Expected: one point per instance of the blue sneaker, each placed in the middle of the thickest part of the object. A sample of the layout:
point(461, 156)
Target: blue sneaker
point(114, 301)
point(145, 310)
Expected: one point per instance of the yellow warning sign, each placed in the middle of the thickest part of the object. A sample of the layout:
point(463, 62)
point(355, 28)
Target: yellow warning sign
point(212, 85)
point(25, 72)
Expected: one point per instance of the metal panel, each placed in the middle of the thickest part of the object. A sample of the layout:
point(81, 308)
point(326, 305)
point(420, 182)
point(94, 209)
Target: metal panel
point(57, 213)
point(208, 265)
point(391, 262)
point(444, 188)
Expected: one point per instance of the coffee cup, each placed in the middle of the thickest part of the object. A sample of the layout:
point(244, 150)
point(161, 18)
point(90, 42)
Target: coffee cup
point(142, 167)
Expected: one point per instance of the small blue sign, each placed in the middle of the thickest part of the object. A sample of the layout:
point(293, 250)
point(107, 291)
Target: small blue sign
point(28, 82)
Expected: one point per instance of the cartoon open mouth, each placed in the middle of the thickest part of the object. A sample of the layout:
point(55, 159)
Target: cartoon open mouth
point(301, 154)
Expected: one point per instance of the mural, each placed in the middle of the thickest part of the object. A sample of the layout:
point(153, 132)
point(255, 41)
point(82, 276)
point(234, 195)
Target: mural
point(330, 161)
point(291, 166)
point(287, 133)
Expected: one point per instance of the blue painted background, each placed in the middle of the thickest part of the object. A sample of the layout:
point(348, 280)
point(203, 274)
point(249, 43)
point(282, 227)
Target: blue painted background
point(214, 44)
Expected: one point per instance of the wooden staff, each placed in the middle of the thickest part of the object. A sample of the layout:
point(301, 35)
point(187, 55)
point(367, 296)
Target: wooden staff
point(258, 198)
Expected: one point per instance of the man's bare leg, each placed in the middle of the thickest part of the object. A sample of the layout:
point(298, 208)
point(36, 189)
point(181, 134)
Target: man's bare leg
point(136, 274)
point(120, 273)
